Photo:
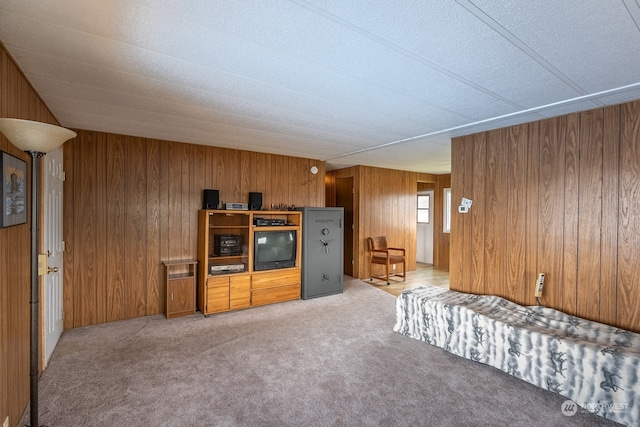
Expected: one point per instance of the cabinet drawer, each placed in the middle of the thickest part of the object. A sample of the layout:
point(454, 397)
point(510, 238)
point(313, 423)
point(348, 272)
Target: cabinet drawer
point(277, 294)
point(272, 279)
point(217, 282)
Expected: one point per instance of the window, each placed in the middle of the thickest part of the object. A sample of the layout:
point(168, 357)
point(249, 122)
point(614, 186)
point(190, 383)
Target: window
point(424, 211)
point(447, 211)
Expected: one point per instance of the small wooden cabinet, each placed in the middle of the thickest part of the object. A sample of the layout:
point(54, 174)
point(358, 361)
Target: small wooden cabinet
point(227, 280)
point(180, 279)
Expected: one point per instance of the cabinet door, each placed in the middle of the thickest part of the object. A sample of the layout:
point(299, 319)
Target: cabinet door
point(181, 297)
point(217, 294)
point(240, 291)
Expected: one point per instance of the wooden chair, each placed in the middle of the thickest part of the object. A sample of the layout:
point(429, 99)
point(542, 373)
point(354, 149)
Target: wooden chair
point(381, 253)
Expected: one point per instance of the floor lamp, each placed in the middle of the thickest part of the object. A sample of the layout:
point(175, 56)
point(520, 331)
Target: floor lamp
point(36, 139)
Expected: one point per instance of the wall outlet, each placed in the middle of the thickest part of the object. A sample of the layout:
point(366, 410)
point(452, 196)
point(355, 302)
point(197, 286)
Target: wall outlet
point(6, 422)
point(539, 285)
point(394, 266)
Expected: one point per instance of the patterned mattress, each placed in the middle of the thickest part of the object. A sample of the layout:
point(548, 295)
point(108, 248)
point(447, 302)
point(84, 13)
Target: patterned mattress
point(595, 365)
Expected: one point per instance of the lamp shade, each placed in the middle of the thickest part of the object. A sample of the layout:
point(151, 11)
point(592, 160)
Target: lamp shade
point(40, 137)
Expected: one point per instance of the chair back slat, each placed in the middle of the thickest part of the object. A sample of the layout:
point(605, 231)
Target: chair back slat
point(378, 243)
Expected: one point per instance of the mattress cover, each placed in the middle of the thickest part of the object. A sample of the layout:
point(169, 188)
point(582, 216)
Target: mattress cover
point(595, 365)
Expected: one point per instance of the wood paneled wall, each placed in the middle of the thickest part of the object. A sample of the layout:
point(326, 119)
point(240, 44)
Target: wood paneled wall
point(385, 203)
point(130, 203)
point(17, 100)
point(560, 196)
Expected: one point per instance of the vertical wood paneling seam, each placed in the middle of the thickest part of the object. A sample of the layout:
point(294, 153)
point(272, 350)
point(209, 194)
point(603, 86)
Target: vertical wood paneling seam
point(531, 216)
point(507, 199)
point(462, 233)
point(485, 214)
point(538, 219)
point(101, 152)
point(469, 221)
point(75, 237)
point(577, 174)
point(601, 258)
point(147, 269)
point(97, 261)
point(609, 216)
point(619, 170)
point(568, 228)
point(562, 134)
point(563, 137)
point(507, 232)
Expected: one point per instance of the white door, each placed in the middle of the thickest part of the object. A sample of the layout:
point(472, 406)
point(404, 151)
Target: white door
point(53, 244)
point(424, 239)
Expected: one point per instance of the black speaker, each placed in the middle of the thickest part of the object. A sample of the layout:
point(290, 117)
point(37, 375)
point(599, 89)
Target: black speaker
point(255, 201)
point(210, 199)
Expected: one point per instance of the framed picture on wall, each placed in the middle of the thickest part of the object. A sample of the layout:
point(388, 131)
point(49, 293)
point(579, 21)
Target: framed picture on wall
point(14, 190)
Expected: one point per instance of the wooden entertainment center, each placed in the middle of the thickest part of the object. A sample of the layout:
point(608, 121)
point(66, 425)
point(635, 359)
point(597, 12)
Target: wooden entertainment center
point(227, 279)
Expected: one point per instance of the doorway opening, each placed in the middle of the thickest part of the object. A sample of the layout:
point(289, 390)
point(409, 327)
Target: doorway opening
point(344, 198)
point(424, 228)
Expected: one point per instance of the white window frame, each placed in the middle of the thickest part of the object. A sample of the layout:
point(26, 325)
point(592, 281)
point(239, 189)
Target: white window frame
point(446, 218)
point(427, 209)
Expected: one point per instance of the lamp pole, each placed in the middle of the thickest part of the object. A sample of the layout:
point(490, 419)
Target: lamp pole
point(35, 294)
point(36, 139)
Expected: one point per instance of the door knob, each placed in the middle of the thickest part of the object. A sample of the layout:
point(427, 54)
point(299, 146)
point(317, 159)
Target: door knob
point(43, 265)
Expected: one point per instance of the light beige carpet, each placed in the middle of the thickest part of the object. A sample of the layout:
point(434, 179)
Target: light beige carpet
point(330, 361)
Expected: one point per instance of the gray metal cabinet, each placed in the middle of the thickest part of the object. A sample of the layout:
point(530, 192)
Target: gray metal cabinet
point(322, 249)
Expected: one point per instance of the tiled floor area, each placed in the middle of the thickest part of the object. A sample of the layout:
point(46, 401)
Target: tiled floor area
point(425, 274)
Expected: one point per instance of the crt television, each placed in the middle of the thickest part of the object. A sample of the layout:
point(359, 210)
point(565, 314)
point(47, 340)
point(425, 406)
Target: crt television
point(274, 249)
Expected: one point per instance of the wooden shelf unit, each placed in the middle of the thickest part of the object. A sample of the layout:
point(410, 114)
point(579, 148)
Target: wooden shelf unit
point(180, 280)
point(227, 289)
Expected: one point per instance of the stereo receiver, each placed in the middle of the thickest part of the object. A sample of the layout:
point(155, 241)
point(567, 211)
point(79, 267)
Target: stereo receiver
point(236, 206)
point(227, 244)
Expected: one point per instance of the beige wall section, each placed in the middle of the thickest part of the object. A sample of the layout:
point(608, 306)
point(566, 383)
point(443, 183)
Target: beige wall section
point(559, 196)
point(385, 203)
point(131, 203)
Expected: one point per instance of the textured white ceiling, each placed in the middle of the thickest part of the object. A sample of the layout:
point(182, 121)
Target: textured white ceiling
point(379, 82)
